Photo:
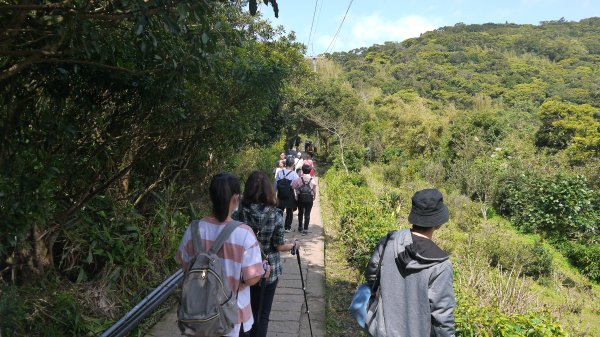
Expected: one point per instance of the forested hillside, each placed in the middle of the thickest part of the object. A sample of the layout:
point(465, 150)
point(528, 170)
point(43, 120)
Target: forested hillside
point(505, 119)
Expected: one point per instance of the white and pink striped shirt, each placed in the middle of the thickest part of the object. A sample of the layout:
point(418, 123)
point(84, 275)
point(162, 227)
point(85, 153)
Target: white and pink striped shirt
point(241, 259)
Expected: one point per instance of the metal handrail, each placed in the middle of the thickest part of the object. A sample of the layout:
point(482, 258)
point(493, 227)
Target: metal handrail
point(145, 306)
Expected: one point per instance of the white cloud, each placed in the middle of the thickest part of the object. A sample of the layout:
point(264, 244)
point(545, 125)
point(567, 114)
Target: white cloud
point(374, 29)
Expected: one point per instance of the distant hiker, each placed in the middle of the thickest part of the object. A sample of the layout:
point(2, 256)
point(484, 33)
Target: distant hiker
point(306, 190)
point(280, 166)
point(259, 212)
point(307, 144)
point(311, 150)
point(240, 255)
point(310, 162)
point(281, 157)
point(286, 200)
point(291, 152)
point(298, 162)
point(415, 295)
point(297, 142)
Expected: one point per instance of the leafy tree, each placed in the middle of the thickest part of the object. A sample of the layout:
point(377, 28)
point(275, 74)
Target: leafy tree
point(104, 104)
point(562, 207)
point(571, 127)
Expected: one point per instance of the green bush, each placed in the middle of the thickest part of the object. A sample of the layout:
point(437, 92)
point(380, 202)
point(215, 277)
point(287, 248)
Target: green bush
point(11, 311)
point(59, 310)
point(363, 219)
point(391, 153)
point(354, 158)
point(532, 259)
point(586, 258)
point(562, 207)
point(481, 321)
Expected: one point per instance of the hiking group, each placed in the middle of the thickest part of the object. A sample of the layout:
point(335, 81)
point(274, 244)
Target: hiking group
point(232, 260)
point(296, 189)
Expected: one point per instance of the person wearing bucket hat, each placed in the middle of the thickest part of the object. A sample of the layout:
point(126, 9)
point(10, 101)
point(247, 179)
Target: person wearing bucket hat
point(414, 294)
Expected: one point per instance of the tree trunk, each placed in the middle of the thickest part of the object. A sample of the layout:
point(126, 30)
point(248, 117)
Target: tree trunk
point(342, 152)
point(42, 250)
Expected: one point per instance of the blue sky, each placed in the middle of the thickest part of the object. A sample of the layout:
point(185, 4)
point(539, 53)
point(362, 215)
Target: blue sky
point(375, 21)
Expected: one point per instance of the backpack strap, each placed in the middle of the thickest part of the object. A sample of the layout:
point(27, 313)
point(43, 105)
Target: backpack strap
point(223, 236)
point(196, 238)
point(377, 282)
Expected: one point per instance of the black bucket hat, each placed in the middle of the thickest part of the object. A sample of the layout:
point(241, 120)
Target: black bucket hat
point(428, 209)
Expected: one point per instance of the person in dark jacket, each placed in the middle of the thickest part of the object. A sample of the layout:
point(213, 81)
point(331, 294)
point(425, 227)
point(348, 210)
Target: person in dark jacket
point(416, 297)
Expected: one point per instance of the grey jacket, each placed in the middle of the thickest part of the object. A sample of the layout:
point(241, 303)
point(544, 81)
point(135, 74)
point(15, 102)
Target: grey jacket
point(416, 287)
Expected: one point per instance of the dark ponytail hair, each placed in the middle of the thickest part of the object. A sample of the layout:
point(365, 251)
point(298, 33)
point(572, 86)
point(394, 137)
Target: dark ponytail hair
point(258, 190)
point(222, 187)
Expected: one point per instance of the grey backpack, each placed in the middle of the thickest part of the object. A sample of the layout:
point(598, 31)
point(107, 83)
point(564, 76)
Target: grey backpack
point(207, 307)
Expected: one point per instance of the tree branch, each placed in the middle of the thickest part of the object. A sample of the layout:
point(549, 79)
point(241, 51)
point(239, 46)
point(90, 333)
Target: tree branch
point(92, 193)
point(17, 67)
point(99, 65)
point(86, 14)
point(35, 59)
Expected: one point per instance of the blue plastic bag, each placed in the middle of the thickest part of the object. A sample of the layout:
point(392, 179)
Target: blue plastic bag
point(360, 301)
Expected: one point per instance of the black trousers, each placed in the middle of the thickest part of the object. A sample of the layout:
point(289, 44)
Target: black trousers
point(304, 214)
point(289, 216)
point(288, 206)
point(260, 328)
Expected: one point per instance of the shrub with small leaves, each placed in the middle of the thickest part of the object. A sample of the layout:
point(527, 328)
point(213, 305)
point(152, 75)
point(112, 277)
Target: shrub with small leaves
point(562, 207)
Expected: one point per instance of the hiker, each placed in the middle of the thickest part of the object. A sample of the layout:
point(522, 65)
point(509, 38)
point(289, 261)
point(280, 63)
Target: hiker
point(280, 166)
point(259, 212)
point(306, 190)
point(297, 141)
point(309, 161)
point(312, 150)
point(298, 162)
point(286, 200)
point(307, 144)
point(240, 255)
point(415, 295)
point(281, 157)
point(291, 152)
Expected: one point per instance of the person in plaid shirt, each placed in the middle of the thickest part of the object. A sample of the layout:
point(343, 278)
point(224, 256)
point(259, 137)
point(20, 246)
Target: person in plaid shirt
point(258, 210)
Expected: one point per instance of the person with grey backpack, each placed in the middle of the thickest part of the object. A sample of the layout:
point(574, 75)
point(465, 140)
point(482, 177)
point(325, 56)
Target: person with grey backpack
point(221, 259)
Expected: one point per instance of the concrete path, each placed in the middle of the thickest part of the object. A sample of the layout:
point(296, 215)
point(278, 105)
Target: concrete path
point(288, 314)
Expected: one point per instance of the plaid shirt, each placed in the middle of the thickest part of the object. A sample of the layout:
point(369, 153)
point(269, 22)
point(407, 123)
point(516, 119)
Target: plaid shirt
point(267, 223)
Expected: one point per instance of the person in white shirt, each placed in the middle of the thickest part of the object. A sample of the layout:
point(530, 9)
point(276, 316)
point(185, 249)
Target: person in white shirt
point(280, 166)
point(298, 163)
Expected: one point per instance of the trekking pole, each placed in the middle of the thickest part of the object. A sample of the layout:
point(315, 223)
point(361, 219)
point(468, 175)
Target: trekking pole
point(263, 285)
point(296, 251)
